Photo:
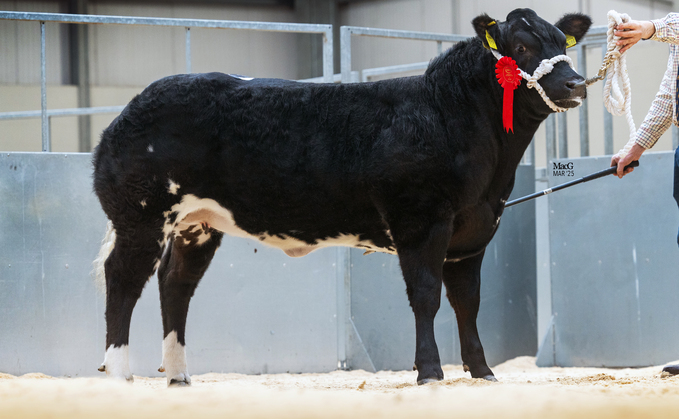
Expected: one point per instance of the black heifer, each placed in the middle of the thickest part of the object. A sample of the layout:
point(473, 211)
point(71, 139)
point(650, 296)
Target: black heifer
point(417, 166)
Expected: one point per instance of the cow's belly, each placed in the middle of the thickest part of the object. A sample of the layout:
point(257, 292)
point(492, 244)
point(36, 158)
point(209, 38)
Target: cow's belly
point(181, 221)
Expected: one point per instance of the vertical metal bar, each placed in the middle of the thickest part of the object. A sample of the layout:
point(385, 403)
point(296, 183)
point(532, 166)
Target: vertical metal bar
point(608, 118)
point(188, 50)
point(675, 136)
point(328, 56)
point(345, 54)
point(584, 116)
point(43, 90)
point(49, 131)
point(550, 136)
point(343, 290)
point(439, 47)
point(563, 135)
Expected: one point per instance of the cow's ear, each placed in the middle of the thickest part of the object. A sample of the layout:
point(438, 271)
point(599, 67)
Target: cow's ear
point(575, 25)
point(487, 30)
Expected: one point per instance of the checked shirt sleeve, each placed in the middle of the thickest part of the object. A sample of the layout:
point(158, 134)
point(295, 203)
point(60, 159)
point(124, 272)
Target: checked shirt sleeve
point(659, 117)
point(661, 114)
point(667, 29)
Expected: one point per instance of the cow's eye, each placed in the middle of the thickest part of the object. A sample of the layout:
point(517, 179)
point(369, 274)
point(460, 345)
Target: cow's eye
point(520, 49)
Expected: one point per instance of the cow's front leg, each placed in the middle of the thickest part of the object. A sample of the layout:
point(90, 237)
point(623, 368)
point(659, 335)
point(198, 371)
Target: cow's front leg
point(463, 284)
point(421, 256)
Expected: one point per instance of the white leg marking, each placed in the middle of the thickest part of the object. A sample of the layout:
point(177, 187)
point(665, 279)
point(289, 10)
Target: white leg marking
point(172, 187)
point(117, 363)
point(174, 359)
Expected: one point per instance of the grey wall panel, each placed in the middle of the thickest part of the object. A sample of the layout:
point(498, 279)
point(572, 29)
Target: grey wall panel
point(615, 267)
point(253, 312)
point(508, 314)
point(507, 319)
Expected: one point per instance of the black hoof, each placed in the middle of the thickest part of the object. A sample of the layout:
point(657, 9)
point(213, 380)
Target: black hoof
point(427, 381)
point(671, 369)
point(490, 377)
point(177, 383)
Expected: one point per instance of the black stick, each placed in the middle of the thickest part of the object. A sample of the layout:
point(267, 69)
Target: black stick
point(597, 175)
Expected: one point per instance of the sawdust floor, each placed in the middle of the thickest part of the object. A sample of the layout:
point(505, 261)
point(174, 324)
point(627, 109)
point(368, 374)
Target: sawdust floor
point(525, 391)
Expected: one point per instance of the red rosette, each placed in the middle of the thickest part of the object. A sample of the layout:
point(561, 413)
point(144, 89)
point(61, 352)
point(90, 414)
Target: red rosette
point(509, 77)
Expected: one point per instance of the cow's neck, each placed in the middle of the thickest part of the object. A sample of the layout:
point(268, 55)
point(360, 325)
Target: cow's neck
point(471, 63)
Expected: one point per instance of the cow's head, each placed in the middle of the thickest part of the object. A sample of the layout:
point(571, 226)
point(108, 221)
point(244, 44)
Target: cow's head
point(529, 39)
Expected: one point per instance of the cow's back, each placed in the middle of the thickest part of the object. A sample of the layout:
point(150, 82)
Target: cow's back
point(276, 153)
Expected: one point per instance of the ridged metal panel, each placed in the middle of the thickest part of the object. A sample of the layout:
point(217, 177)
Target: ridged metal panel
point(254, 312)
point(614, 267)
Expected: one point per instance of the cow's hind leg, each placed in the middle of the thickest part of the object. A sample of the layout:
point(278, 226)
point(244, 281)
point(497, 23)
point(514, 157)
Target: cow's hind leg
point(463, 283)
point(130, 264)
point(421, 256)
point(182, 267)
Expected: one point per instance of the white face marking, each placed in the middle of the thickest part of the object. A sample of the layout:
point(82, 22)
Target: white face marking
point(174, 359)
point(143, 203)
point(524, 19)
point(150, 148)
point(117, 363)
point(172, 187)
point(193, 210)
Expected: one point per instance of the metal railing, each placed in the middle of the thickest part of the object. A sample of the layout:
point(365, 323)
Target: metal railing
point(347, 31)
point(42, 18)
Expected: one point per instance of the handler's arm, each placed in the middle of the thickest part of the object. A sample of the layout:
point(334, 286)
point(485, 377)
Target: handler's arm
point(658, 119)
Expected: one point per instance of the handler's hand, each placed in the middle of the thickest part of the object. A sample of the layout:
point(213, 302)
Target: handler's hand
point(631, 32)
point(633, 155)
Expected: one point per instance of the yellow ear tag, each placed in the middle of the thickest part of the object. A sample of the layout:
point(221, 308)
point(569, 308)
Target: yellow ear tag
point(570, 41)
point(491, 41)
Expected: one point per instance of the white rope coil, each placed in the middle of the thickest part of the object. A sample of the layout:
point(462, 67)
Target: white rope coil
point(546, 66)
point(617, 90)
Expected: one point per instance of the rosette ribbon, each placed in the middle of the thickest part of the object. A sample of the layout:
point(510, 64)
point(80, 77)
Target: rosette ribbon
point(509, 77)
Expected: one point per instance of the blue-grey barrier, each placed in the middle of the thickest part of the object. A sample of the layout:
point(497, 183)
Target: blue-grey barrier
point(614, 267)
point(254, 312)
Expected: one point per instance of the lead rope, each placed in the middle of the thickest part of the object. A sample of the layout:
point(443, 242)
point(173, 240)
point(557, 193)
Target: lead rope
point(617, 89)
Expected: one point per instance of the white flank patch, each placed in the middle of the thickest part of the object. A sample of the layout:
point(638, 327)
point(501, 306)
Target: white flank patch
point(172, 187)
point(174, 359)
point(107, 245)
point(117, 363)
point(150, 148)
point(193, 210)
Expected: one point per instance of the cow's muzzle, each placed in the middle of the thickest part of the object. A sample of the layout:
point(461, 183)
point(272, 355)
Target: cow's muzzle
point(577, 92)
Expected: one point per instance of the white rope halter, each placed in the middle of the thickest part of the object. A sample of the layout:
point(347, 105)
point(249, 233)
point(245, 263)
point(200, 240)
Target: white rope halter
point(545, 67)
point(617, 90)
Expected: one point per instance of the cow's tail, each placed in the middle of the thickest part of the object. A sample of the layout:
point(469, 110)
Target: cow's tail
point(107, 246)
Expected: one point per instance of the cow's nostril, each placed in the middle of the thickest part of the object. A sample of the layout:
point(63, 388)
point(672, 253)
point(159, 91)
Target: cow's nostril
point(571, 84)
